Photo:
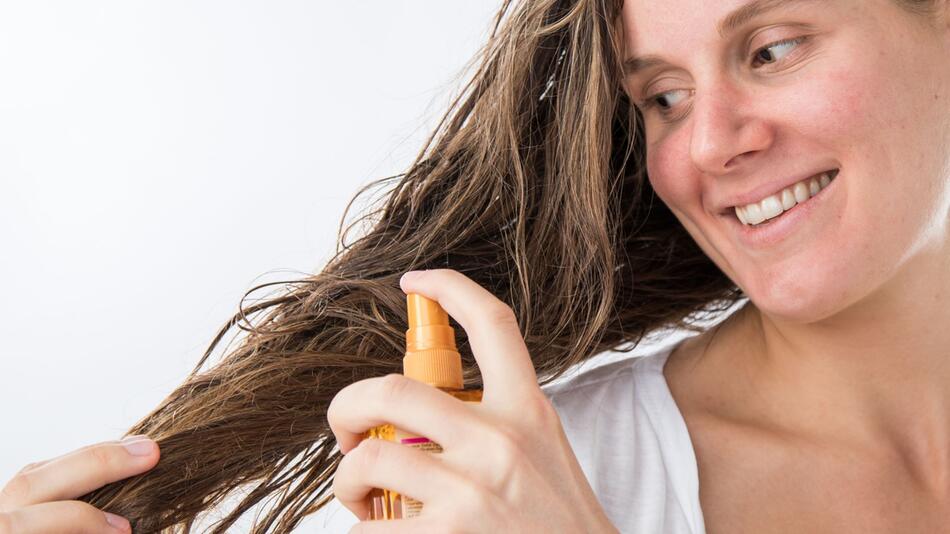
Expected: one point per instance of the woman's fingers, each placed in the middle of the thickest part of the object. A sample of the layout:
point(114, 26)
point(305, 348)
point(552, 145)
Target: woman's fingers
point(408, 404)
point(37, 499)
point(493, 332)
point(62, 516)
point(79, 472)
point(377, 463)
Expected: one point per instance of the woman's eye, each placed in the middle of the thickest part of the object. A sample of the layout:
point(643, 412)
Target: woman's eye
point(775, 51)
point(771, 53)
point(665, 101)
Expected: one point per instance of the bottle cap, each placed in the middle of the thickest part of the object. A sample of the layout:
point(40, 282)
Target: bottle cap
point(431, 354)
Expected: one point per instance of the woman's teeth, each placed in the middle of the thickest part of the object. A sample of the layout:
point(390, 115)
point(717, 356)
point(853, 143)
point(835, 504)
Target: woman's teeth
point(784, 200)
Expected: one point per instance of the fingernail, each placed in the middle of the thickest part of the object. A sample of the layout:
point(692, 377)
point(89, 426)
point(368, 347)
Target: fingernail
point(409, 276)
point(138, 445)
point(118, 522)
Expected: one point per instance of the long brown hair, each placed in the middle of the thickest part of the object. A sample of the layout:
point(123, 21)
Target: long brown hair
point(533, 184)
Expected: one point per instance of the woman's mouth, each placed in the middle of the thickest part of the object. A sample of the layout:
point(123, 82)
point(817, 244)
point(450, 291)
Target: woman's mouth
point(768, 221)
point(775, 206)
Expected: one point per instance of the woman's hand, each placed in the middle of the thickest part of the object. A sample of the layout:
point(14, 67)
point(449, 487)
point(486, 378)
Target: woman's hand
point(39, 497)
point(506, 464)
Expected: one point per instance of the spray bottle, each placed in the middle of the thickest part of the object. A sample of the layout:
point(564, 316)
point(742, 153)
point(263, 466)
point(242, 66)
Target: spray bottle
point(431, 357)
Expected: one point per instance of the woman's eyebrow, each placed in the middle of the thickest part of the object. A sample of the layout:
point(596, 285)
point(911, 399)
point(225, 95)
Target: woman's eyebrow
point(743, 14)
point(729, 24)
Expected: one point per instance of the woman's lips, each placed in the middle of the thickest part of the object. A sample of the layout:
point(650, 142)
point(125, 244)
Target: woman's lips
point(731, 210)
point(774, 231)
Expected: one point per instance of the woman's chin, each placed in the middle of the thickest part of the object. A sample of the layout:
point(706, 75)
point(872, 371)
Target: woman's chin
point(796, 300)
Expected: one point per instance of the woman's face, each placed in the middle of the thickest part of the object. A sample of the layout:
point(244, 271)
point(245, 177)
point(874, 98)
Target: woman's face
point(861, 86)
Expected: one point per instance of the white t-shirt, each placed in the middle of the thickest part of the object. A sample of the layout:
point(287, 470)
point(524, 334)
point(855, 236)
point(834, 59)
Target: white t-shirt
point(632, 443)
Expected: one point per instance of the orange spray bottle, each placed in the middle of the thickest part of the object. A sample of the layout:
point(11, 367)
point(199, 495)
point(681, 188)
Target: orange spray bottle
point(431, 357)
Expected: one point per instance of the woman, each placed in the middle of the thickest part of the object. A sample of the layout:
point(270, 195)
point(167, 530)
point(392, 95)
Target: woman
point(820, 406)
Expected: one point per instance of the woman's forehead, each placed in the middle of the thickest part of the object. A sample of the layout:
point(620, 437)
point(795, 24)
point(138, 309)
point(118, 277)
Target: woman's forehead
point(648, 21)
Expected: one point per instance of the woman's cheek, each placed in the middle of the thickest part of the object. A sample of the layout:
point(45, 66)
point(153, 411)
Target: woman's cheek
point(833, 108)
point(854, 89)
point(671, 174)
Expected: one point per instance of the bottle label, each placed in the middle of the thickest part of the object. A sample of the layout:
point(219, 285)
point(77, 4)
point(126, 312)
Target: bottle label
point(388, 504)
point(411, 507)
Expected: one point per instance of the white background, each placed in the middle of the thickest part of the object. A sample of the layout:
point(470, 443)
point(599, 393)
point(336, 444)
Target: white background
point(159, 159)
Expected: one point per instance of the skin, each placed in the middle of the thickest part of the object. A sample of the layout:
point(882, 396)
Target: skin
point(843, 347)
point(40, 497)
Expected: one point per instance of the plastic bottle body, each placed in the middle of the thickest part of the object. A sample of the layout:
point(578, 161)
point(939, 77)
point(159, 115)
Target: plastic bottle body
point(432, 358)
point(387, 504)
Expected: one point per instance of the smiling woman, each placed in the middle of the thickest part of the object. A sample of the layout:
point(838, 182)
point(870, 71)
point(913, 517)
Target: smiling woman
point(574, 200)
point(805, 147)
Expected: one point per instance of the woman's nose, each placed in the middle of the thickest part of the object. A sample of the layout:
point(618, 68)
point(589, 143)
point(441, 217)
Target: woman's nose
point(726, 128)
